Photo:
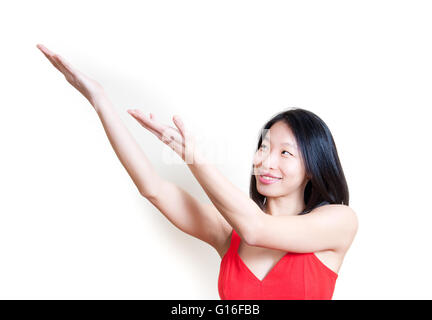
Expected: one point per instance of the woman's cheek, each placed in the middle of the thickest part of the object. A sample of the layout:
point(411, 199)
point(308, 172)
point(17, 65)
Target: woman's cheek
point(257, 159)
point(290, 174)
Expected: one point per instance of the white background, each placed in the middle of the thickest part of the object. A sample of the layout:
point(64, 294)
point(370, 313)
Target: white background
point(72, 223)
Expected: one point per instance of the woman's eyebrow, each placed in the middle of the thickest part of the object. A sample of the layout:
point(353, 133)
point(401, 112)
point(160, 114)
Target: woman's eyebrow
point(288, 144)
point(283, 143)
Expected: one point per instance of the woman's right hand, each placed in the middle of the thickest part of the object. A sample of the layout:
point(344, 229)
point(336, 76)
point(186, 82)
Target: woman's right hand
point(89, 88)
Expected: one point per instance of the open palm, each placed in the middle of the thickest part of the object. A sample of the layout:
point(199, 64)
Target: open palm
point(179, 139)
point(89, 88)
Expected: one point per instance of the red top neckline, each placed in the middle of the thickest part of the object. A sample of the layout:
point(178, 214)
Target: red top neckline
point(294, 276)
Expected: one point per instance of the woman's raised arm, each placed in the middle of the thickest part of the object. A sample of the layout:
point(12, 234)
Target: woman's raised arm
point(201, 220)
point(127, 150)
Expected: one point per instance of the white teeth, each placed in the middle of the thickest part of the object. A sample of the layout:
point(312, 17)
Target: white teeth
point(268, 178)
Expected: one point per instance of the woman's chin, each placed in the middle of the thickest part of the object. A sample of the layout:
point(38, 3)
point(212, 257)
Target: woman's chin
point(266, 193)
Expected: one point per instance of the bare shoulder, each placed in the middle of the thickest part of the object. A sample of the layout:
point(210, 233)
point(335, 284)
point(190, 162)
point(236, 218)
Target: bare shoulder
point(341, 218)
point(337, 213)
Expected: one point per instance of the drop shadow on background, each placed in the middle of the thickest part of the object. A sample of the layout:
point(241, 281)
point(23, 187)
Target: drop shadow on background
point(203, 259)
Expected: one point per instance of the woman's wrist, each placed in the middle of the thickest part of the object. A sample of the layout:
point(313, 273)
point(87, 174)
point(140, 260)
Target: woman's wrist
point(196, 158)
point(99, 101)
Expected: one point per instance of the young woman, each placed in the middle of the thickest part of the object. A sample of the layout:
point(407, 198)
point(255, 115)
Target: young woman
point(288, 238)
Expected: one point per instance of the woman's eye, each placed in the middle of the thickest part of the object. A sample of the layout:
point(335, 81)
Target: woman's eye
point(264, 147)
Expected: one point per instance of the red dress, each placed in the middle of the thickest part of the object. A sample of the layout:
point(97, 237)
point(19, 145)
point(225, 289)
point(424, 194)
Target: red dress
point(296, 276)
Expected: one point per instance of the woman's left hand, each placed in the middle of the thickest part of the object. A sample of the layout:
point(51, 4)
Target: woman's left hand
point(88, 87)
point(178, 139)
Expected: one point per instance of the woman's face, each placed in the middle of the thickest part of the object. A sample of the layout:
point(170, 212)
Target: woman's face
point(279, 157)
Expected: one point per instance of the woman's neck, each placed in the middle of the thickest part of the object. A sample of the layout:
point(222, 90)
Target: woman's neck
point(287, 205)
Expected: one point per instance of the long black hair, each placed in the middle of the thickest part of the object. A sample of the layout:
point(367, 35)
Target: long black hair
point(327, 184)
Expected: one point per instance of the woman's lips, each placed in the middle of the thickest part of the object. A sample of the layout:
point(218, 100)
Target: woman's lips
point(267, 180)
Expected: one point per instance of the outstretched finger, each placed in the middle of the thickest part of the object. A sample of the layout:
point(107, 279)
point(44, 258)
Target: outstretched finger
point(49, 55)
point(180, 125)
point(66, 65)
point(57, 60)
point(144, 122)
point(44, 49)
point(151, 122)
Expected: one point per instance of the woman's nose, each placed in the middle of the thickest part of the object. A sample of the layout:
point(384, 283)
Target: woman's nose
point(270, 160)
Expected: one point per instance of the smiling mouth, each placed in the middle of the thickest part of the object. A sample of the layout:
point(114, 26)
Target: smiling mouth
point(267, 180)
